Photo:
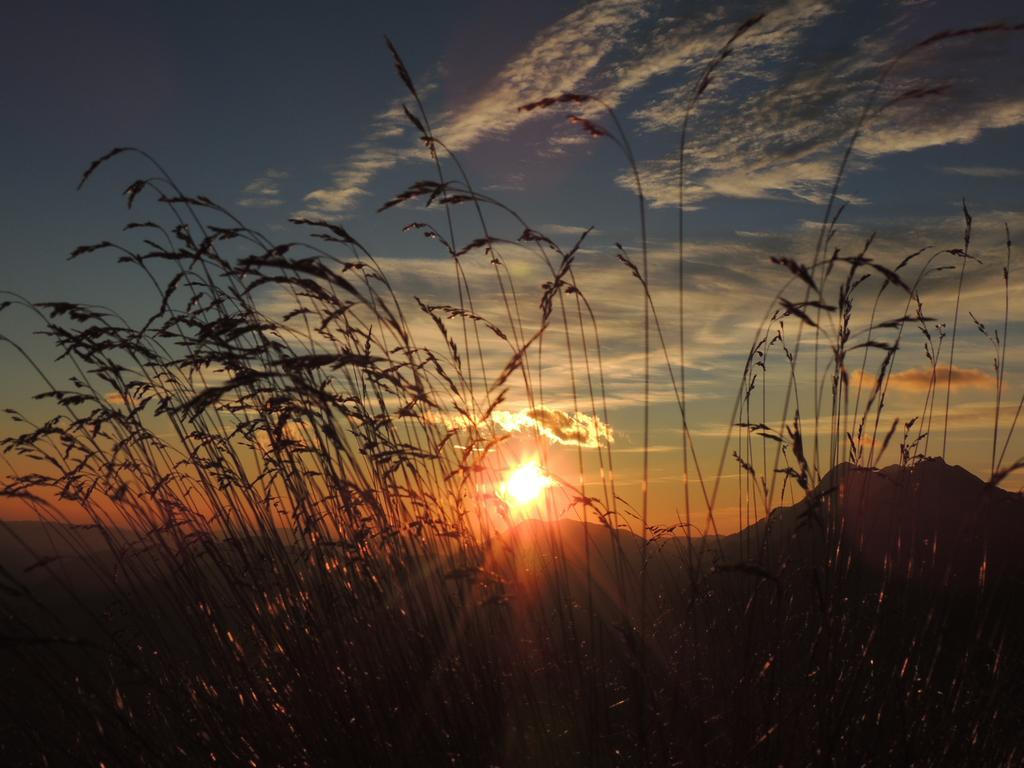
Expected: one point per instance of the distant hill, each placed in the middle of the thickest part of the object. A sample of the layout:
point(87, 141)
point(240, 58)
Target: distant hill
point(25, 542)
point(929, 521)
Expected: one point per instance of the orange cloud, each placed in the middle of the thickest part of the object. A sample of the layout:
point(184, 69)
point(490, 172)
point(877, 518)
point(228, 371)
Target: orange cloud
point(919, 379)
point(114, 398)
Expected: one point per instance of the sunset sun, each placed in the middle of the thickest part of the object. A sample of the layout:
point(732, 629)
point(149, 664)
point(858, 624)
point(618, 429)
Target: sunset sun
point(524, 485)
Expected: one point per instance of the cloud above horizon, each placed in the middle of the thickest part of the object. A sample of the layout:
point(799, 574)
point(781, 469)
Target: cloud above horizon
point(264, 191)
point(560, 427)
point(983, 171)
point(922, 379)
point(558, 59)
point(770, 125)
point(557, 426)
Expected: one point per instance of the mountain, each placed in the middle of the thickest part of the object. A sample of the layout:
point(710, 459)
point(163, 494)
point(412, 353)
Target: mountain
point(930, 522)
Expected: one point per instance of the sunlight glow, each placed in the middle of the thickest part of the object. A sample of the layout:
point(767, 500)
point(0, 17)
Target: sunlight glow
point(524, 485)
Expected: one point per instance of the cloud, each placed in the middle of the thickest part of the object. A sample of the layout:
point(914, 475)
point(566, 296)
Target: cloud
point(920, 379)
point(776, 124)
point(560, 427)
point(557, 426)
point(759, 131)
point(558, 59)
point(264, 191)
point(773, 122)
point(941, 121)
point(983, 171)
point(349, 185)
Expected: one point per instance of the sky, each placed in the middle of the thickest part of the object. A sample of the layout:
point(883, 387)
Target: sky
point(277, 111)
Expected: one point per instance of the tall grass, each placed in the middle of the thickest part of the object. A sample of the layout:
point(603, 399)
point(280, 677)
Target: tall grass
point(304, 562)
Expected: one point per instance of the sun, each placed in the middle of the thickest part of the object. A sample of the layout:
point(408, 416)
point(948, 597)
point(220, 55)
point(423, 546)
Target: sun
point(524, 485)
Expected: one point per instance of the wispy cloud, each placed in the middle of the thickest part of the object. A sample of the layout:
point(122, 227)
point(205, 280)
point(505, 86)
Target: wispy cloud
point(957, 118)
point(377, 153)
point(561, 58)
point(558, 59)
point(771, 125)
point(773, 129)
point(983, 171)
point(264, 191)
point(349, 185)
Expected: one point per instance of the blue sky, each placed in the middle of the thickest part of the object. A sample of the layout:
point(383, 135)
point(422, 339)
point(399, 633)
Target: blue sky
point(277, 110)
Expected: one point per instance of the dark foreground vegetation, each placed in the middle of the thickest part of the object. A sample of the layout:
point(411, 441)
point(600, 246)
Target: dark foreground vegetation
point(257, 540)
point(880, 630)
